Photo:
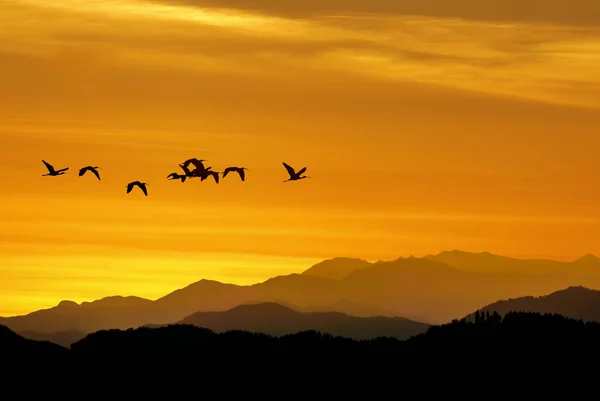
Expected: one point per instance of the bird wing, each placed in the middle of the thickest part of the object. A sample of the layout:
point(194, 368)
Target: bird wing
point(289, 169)
point(185, 169)
point(215, 176)
point(129, 187)
point(242, 174)
point(144, 189)
point(198, 164)
point(93, 170)
point(49, 167)
point(82, 171)
point(302, 171)
point(226, 171)
point(173, 175)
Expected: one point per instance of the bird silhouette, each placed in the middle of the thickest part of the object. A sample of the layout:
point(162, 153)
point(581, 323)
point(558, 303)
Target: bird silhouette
point(52, 171)
point(93, 169)
point(239, 170)
point(175, 176)
point(204, 174)
point(142, 186)
point(196, 162)
point(294, 176)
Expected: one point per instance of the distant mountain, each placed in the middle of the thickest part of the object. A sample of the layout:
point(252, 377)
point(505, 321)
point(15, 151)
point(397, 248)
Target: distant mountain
point(420, 289)
point(63, 338)
point(486, 262)
point(573, 302)
point(336, 268)
point(118, 312)
point(12, 343)
point(278, 320)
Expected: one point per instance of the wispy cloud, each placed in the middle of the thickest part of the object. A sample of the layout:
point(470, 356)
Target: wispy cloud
point(517, 59)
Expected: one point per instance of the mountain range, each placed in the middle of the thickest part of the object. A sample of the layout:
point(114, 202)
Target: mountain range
point(433, 289)
point(574, 302)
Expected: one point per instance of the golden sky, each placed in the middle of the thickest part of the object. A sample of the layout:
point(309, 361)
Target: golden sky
point(425, 128)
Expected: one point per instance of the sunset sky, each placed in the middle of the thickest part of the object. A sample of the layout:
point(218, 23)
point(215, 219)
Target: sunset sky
point(424, 126)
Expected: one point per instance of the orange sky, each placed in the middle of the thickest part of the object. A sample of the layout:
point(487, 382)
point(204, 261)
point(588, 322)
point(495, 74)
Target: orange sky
point(473, 127)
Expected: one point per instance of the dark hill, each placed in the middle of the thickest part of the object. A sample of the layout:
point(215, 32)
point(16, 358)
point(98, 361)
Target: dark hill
point(278, 320)
point(573, 302)
point(518, 337)
point(12, 343)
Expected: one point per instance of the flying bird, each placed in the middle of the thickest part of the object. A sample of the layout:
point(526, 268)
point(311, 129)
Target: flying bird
point(239, 170)
point(142, 186)
point(204, 175)
point(197, 163)
point(175, 176)
point(52, 171)
point(93, 169)
point(294, 176)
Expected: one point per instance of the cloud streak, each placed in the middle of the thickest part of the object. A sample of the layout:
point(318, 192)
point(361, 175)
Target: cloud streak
point(518, 60)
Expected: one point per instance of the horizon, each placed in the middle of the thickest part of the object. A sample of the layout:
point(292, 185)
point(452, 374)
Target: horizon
point(422, 127)
point(247, 284)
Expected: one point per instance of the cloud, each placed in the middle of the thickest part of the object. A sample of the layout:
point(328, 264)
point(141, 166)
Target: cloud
point(567, 12)
point(519, 59)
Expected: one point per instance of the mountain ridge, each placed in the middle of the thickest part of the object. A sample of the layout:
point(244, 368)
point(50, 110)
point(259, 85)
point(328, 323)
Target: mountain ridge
point(575, 302)
point(430, 291)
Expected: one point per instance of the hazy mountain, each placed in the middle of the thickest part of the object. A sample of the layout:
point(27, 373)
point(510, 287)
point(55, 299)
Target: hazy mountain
point(63, 338)
point(573, 302)
point(486, 262)
point(87, 317)
point(278, 320)
point(421, 289)
point(336, 268)
point(12, 343)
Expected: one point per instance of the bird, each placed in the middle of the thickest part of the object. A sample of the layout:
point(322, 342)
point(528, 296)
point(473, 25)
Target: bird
point(93, 169)
point(239, 170)
point(204, 175)
point(52, 171)
point(196, 162)
point(142, 186)
point(175, 176)
point(294, 176)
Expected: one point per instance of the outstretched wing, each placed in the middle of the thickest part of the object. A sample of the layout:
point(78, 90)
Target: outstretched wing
point(82, 171)
point(143, 188)
point(49, 167)
point(173, 175)
point(93, 170)
point(215, 176)
point(198, 164)
point(185, 169)
point(302, 171)
point(242, 174)
point(289, 169)
point(129, 187)
point(226, 171)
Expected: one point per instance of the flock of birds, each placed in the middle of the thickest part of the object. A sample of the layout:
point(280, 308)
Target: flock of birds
point(199, 171)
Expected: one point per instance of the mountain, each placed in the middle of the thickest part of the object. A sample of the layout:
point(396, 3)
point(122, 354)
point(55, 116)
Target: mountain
point(63, 338)
point(420, 289)
point(336, 268)
point(486, 262)
point(516, 337)
point(12, 343)
point(87, 317)
point(573, 302)
point(278, 320)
